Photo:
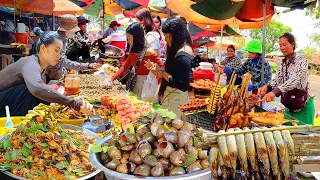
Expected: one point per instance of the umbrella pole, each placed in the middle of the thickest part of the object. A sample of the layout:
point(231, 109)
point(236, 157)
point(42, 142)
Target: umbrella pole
point(53, 22)
point(220, 48)
point(14, 15)
point(103, 17)
point(263, 39)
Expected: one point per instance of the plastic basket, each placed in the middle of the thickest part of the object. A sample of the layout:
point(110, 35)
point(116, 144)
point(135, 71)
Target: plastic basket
point(76, 122)
point(22, 38)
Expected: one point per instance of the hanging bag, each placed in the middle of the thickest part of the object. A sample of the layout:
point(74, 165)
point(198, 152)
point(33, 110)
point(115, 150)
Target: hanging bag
point(295, 99)
point(131, 75)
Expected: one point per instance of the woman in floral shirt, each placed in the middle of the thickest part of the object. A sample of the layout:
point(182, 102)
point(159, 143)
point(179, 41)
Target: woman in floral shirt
point(292, 76)
point(232, 60)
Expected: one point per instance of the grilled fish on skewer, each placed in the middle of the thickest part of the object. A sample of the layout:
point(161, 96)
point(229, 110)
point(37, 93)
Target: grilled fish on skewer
point(213, 159)
point(233, 151)
point(224, 148)
point(283, 153)
point(251, 151)
point(242, 153)
point(288, 141)
point(262, 153)
point(272, 150)
point(222, 165)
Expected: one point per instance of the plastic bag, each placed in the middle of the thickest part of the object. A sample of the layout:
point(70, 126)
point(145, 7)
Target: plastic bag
point(150, 89)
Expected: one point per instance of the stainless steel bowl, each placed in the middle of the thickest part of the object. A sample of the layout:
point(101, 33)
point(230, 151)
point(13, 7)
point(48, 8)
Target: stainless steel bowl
point(111, 50)
point(76, 128)
point(113, 175)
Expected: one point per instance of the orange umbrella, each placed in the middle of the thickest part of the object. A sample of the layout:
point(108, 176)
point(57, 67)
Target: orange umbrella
point(63, 7)
point(35, 6)
point(225, 43)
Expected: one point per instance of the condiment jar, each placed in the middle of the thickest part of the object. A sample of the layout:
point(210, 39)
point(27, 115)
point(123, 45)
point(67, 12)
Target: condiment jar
point(72, 84)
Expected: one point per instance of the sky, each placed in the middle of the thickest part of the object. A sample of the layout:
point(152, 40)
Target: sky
point(301, 25)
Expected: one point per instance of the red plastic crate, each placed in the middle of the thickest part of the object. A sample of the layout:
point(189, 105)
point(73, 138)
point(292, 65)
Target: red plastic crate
point(203, 74)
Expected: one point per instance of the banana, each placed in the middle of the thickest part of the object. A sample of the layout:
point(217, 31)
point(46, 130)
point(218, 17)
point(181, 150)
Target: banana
point(41, 112)
point(33, 112)
point(30, 115)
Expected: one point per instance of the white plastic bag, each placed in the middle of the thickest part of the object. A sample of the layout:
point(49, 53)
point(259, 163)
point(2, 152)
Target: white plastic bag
point(150, 89)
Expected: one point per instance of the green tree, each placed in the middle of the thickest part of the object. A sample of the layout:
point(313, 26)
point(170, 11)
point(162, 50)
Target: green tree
point(309, 52)
point(314, 13)
point(273, 31)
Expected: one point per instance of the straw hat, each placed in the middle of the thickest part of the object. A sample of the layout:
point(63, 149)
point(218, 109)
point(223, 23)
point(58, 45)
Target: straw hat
point(68, 22)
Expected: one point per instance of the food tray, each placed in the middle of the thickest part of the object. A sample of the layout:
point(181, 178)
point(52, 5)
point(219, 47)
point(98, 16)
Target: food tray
point(113, 175)
point(76, 128)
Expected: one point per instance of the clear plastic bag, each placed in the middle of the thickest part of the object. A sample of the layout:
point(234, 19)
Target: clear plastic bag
point(150, 89)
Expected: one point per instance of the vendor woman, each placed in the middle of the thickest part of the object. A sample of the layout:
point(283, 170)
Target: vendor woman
point(255, 65)
point(292, 83)
point(67, 29)
point(21, 83)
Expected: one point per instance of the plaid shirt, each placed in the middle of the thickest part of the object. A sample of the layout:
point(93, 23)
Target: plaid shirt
point(256, 72)
point(233, 62)
point(291, 76)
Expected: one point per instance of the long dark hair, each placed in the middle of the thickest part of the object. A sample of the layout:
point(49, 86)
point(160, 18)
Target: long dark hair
point(136, 30)
point(180, 37)
point(158, 17)
point(145, 16)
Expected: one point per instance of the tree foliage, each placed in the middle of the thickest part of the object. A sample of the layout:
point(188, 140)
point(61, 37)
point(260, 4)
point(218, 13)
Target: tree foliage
point(273, 31)
point(314, 13)
point(309, 52)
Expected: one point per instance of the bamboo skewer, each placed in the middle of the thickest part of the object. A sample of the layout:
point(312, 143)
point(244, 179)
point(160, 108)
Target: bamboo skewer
point(280, 128)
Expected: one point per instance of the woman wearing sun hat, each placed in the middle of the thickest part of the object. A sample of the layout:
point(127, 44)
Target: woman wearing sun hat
point(255, 65)
point(68, 28)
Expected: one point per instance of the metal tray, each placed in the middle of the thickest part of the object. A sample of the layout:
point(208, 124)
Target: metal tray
point(113, 175)
point(111, 50)
point(76, 128)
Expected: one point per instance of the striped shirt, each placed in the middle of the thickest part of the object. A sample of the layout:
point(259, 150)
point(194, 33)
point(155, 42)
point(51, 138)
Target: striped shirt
point(291, 76)
point(233, 62)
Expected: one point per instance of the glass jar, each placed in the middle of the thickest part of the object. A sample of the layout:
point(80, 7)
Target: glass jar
point(72, 84)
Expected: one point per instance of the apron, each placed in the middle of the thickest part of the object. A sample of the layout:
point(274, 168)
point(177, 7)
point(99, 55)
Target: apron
point(305, 115)
point(172, 98)
point(139, 85)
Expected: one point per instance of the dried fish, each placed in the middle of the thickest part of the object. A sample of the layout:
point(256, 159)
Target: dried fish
point(288, 141)
point(283, 153)
point(213, 159)
point(251, 151)
point(224, 148)
point(262, 153)
point(242, 153)
point(272, 150)
point(233, 151)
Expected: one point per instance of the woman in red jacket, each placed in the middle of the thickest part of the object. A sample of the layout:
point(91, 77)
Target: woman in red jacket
point(136, 40)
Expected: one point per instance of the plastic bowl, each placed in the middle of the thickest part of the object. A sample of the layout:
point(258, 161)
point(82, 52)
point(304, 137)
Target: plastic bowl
point(15, 119)
point(4, 130)
point(76, 122)
point(205, 65)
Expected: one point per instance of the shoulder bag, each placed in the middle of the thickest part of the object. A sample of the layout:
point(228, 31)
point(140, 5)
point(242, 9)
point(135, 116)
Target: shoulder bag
point(295, 99)
point(131, 74)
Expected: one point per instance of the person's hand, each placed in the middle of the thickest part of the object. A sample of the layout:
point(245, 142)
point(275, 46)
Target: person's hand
point(153, 67)
point(220, 68)
point(262, 91)
point(269, 97)
point(96, 66)
point(86, 107)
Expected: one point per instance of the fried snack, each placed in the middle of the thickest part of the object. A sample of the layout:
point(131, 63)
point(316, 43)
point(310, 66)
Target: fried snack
point(42, 149)
point(194, 105)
